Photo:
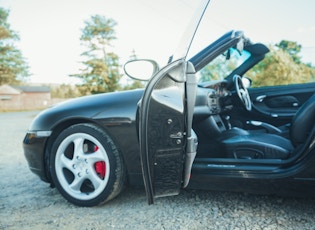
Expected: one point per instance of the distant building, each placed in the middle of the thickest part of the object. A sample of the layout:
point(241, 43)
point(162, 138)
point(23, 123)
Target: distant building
point(24, 97)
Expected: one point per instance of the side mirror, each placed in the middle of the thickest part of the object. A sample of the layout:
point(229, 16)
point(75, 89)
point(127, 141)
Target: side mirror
point(141, 69)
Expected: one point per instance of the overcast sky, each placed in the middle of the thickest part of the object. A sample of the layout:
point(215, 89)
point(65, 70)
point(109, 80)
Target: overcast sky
point(50, 29)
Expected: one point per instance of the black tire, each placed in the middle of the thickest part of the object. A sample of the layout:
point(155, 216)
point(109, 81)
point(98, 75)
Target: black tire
point(86, 166)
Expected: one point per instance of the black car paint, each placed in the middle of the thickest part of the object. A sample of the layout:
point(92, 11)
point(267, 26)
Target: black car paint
point(105, 110)
point(117, 114)
point(167, 149)
point(114, 112)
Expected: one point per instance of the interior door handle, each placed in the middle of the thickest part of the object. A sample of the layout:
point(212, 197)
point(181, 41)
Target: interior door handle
point(260, 98)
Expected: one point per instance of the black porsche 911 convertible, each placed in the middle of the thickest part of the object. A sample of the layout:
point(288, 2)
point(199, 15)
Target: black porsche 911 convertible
point(181, 131)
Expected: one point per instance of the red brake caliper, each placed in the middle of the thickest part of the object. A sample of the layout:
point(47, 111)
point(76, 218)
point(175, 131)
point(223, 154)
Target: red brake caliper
point(100, 166)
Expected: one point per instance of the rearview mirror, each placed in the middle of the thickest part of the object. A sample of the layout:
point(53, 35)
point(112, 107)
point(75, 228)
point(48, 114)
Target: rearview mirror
point(141, 69)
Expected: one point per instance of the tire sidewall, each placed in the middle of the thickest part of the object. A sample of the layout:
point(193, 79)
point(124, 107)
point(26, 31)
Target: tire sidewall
point(115, 164)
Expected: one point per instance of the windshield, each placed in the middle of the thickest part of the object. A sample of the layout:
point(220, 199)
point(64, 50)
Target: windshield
point(222, 65)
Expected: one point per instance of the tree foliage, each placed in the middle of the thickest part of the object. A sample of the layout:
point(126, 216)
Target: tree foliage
point(292, 48)
point(13, 67)
point(101, 66)
point(282, 66)
point(135, 84)
point(219, 67)
point(64, 91)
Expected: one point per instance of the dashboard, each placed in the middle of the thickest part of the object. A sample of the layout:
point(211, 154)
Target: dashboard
point(210, 97)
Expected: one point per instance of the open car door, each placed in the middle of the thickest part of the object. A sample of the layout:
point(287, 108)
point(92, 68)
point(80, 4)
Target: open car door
point(167, 142)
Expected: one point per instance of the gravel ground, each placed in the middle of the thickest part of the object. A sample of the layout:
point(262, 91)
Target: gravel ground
point(28, 203)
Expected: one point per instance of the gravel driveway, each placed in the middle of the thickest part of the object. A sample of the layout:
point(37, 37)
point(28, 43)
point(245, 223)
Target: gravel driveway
point(28, 203)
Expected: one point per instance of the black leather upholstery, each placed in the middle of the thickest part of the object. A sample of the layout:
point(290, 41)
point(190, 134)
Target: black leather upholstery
point(258, 146)
point(303, 122)
point(247, 145)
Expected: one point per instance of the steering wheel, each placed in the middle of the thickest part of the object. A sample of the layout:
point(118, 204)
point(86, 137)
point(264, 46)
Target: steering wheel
point(242, 92)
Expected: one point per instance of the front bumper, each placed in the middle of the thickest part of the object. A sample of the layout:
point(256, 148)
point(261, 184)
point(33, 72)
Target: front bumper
point(34, 150)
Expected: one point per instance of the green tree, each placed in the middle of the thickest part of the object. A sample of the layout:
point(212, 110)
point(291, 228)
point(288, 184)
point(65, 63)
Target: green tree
point(101, 71)
point(292, 48)
point(64, 91)
point(13, 67)
point(280, 68)
point(135, 84)
point(219, 67)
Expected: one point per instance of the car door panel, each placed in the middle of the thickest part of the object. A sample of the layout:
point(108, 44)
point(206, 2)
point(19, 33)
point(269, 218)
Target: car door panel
point(165, 137)
point(162, 129)
point(286, 101)
point(281, 100)
point(168, 146)
point(276, 105)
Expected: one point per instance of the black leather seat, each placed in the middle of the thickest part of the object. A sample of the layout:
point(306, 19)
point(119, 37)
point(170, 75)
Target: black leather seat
point(248, 145)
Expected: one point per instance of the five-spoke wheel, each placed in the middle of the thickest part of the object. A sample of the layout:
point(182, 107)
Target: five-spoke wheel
point(86, 166)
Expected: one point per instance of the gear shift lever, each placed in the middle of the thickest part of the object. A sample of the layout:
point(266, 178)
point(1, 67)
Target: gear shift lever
point(227, 121)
